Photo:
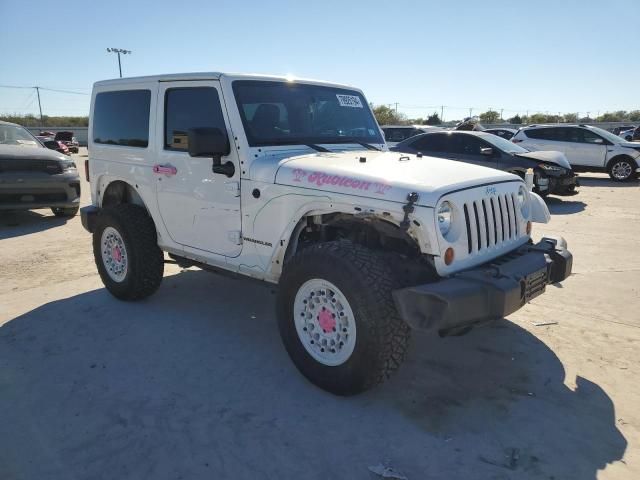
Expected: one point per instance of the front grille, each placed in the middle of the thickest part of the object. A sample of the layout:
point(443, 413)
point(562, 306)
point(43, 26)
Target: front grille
point(7, 198)
point(491, 221)
point(52, 167)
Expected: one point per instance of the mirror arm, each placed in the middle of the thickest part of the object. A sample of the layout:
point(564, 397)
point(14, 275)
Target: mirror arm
point(227, 168)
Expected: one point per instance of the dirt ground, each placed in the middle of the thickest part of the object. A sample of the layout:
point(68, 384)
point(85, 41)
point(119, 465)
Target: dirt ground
point(193, 383)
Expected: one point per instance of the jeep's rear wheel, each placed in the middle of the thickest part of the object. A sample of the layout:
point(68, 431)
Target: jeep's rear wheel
point(126, 252)
point(337, 318)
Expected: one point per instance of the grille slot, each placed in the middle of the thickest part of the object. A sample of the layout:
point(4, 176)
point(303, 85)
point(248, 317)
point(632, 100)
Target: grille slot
point(466, 219)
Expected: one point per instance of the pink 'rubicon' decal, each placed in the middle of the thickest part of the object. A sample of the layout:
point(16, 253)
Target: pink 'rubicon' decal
point(320, 179)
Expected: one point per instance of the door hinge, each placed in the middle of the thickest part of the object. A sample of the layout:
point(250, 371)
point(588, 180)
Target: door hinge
point(232, 188)
point(235, 237)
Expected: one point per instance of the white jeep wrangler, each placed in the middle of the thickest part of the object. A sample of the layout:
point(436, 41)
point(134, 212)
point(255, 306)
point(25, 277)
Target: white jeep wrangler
point(289, 181)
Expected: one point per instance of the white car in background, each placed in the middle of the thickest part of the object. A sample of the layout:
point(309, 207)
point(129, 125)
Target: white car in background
point(587, 148)
point(394, 134)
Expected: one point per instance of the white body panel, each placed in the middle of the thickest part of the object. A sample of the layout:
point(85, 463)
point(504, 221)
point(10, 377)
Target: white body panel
point(222, 222)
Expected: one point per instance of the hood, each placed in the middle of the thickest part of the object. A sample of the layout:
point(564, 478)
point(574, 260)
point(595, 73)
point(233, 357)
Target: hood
point(13, 152)
point(557, 158)
point(387, 176)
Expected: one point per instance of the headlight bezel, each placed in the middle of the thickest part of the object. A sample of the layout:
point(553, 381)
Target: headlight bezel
point(445, 217)
point(523, 202)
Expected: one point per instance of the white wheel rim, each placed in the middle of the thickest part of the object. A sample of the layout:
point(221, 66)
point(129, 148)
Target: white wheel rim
point(621, 170)
point(114, 254)
point(324, 321)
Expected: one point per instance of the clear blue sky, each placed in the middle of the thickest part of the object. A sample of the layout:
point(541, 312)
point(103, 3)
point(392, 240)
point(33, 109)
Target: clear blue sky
point(540, 55)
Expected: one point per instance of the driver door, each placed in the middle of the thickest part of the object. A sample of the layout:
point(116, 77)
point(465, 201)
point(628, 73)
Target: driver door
point(199, 208)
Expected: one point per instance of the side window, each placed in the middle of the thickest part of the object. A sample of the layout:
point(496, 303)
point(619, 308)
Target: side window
point(590, 137)
point(543, 134)
point(466, 144)
point(432, 142)
point(122, 118)
point(186, 108)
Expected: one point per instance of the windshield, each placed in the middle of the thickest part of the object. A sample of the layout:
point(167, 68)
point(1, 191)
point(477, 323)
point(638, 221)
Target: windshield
point(504, 145)
point(16, 135)
point(608, 135)
point(279, 113)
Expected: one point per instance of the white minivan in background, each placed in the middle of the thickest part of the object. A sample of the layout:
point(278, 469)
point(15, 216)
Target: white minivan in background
point(587, 148)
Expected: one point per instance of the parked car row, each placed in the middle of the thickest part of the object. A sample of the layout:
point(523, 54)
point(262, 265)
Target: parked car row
point(573, 148)
point(64, 137)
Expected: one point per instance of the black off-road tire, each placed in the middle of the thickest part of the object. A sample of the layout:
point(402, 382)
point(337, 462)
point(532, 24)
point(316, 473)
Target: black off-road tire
point(65, 212)
point(144, 257)
point(622, 160)
point(365, 279)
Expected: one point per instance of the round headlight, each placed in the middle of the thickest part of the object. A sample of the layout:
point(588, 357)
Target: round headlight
point(445, 217)
point(523, 202)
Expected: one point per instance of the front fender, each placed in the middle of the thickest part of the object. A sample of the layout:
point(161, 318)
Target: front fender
point(539, 210)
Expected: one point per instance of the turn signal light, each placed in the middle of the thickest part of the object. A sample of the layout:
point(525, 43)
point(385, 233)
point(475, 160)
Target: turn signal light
point(449, 254)
point(528, 228)
point(86, 169)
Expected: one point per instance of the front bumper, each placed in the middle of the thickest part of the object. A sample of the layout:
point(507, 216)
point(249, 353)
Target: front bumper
point(564, 185)
point(26, 191)
point(487, 292)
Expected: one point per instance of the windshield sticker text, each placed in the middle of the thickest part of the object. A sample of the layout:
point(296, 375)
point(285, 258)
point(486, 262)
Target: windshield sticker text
point(349, 101)
point(320, 179)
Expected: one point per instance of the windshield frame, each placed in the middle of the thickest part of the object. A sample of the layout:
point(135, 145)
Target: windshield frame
point(376, 139)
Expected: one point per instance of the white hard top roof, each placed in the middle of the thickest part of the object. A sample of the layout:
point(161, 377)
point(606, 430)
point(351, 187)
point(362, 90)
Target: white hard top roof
point(172, 77)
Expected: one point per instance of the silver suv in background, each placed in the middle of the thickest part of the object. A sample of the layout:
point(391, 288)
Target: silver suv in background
point(587, 148)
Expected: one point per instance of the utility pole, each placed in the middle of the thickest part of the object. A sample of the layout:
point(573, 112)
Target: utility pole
point(441, 113)
point(39, 105)
point(119, 51)
point(470, 112)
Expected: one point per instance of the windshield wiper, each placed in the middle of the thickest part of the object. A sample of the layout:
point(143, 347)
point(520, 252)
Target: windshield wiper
point(368, 146)
point(317, 148)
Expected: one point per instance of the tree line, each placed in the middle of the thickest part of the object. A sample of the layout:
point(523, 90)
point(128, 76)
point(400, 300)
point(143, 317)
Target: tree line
point(47, 121)
point(388, 116)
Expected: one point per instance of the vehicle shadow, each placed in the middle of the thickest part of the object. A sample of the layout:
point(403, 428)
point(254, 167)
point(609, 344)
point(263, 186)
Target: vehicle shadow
point(15, 223)
point(194, 383)
point(559, 206)
point(602, 181)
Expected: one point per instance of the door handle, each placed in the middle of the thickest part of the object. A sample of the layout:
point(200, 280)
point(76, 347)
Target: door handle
point(168, 170)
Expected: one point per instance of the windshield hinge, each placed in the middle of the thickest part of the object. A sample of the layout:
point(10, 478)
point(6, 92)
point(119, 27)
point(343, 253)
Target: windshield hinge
point(232, 188)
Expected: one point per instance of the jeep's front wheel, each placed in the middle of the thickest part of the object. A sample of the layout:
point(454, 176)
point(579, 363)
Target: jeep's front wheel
point(337, 318)
point(126, 252)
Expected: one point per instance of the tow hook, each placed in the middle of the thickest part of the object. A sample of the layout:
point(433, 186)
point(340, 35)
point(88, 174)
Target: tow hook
point(412, 198)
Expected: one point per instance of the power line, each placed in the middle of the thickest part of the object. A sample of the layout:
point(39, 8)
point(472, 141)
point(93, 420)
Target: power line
point(45, 88)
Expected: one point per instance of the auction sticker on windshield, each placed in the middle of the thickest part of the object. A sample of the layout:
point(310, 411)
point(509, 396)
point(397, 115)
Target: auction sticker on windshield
point(349, 101)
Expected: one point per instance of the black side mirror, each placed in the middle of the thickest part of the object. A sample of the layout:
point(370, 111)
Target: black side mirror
point(211, 142)
point(488, 151)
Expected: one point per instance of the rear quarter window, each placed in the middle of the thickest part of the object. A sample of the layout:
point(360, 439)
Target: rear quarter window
point(543, 134)
point(122, 118)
